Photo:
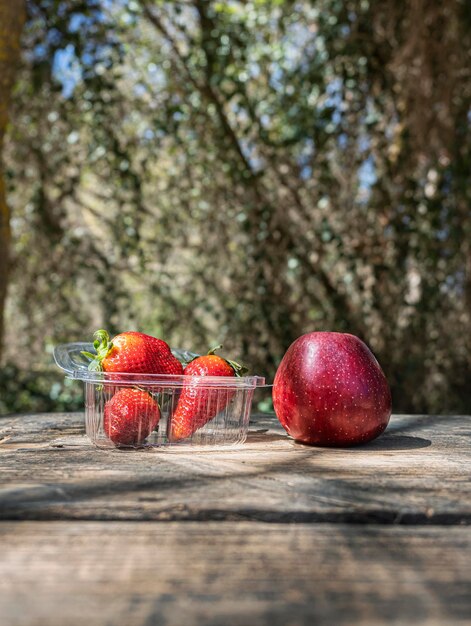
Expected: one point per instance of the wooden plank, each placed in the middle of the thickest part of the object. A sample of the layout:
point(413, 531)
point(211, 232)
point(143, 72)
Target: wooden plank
point(418, 472)
point(140, 573)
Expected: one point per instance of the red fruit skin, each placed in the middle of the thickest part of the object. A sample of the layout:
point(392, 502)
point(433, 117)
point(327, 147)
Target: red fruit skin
point(197, 406)
point(329, 390)
point(137, 353)
point(130, 416)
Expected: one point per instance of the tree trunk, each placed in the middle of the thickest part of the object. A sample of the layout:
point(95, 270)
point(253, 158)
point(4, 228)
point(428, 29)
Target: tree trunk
point(12, 16)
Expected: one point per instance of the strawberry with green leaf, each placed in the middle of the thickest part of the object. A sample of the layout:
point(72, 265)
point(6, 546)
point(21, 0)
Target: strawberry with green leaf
point(133, 353)
point(198, 405)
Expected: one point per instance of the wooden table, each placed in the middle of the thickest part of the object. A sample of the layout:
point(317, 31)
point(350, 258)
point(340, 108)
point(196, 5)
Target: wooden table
point(271, 533)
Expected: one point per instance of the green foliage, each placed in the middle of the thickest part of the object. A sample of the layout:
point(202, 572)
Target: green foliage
point(25, 390)
point(245, 172)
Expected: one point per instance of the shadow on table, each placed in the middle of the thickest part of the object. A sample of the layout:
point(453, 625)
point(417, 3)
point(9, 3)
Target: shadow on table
point(393, 439)
point(263, 436)
point(385, 443)
point(391, 443)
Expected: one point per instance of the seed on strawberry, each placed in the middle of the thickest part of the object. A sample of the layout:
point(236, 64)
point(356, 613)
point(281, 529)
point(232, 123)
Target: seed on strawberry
point(130, 416)
point(133, 353)
point(196, 405)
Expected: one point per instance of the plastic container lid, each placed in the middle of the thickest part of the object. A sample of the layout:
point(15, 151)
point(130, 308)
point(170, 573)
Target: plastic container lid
point(69, 358)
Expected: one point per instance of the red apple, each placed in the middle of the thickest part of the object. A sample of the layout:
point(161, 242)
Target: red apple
point(329, 390)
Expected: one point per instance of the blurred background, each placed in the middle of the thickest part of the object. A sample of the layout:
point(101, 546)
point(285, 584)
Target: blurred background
point(237, 173)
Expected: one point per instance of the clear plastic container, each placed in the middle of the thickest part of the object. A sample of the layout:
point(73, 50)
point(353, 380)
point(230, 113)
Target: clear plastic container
point(227, 400)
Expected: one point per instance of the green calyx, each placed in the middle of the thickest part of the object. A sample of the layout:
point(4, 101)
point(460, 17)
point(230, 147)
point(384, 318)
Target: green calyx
point(214, 350)
point(102, 345)
point(239, 369)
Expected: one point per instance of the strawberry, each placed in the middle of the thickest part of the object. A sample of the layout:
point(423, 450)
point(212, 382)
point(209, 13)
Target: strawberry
point(130, 416)
point(132, 353)
point(196, 405)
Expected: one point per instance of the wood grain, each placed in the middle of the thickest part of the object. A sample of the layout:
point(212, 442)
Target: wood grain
point(187, 573)
point(418, 472)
